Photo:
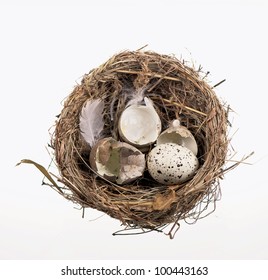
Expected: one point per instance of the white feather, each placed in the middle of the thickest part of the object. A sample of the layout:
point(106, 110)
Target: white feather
point(148, 102)
point(91, 121)
point(136, 97)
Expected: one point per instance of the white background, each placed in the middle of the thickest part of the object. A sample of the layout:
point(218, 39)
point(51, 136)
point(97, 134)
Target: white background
point(44, 51)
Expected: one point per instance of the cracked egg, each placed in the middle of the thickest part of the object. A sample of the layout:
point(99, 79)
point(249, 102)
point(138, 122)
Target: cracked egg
point(116, 161)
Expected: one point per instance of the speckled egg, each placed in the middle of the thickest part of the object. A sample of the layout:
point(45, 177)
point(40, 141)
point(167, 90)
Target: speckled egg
point(171, 164)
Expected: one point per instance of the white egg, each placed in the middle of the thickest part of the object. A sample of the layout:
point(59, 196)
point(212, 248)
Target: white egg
point(171, 164)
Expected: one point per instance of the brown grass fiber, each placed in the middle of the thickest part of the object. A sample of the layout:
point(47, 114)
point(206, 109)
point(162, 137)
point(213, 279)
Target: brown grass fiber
point(178, 91)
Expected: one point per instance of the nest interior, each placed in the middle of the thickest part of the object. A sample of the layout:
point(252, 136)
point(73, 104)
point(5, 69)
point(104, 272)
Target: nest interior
point(178, 91)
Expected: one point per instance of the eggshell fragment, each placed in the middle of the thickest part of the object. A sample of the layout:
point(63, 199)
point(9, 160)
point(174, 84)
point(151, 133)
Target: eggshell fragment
point(171, 163)
point(117, 161)
point(139, 124)
point(180, 135)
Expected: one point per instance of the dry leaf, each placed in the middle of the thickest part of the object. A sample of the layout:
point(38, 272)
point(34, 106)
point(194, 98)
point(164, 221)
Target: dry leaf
point(41, 169)
point(164, 201)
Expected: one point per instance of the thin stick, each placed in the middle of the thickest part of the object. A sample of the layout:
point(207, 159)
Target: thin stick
point(219, 83)
point(150, 74)
point(186, 107)
point(237, 163)
point(145, 46)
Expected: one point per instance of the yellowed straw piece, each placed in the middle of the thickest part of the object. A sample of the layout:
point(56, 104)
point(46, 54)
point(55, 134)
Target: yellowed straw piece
point(155, 75)
point(185, 107)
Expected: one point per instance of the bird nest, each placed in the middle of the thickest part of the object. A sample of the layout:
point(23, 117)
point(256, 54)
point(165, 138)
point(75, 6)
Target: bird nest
point(178, 92)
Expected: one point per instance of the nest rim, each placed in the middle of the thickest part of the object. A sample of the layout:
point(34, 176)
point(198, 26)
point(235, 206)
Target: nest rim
point(177, 91)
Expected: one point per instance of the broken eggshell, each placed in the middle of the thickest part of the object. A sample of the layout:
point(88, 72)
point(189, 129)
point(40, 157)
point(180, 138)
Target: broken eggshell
point(171, 164)
point(139, 124)
point(180, 135)
point(116, 161)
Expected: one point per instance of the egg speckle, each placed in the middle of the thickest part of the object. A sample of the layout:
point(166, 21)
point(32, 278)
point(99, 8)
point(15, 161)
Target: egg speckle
point(171, 163)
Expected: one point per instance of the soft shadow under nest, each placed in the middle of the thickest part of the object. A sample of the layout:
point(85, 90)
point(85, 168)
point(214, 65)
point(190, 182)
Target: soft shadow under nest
point(178, 91)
